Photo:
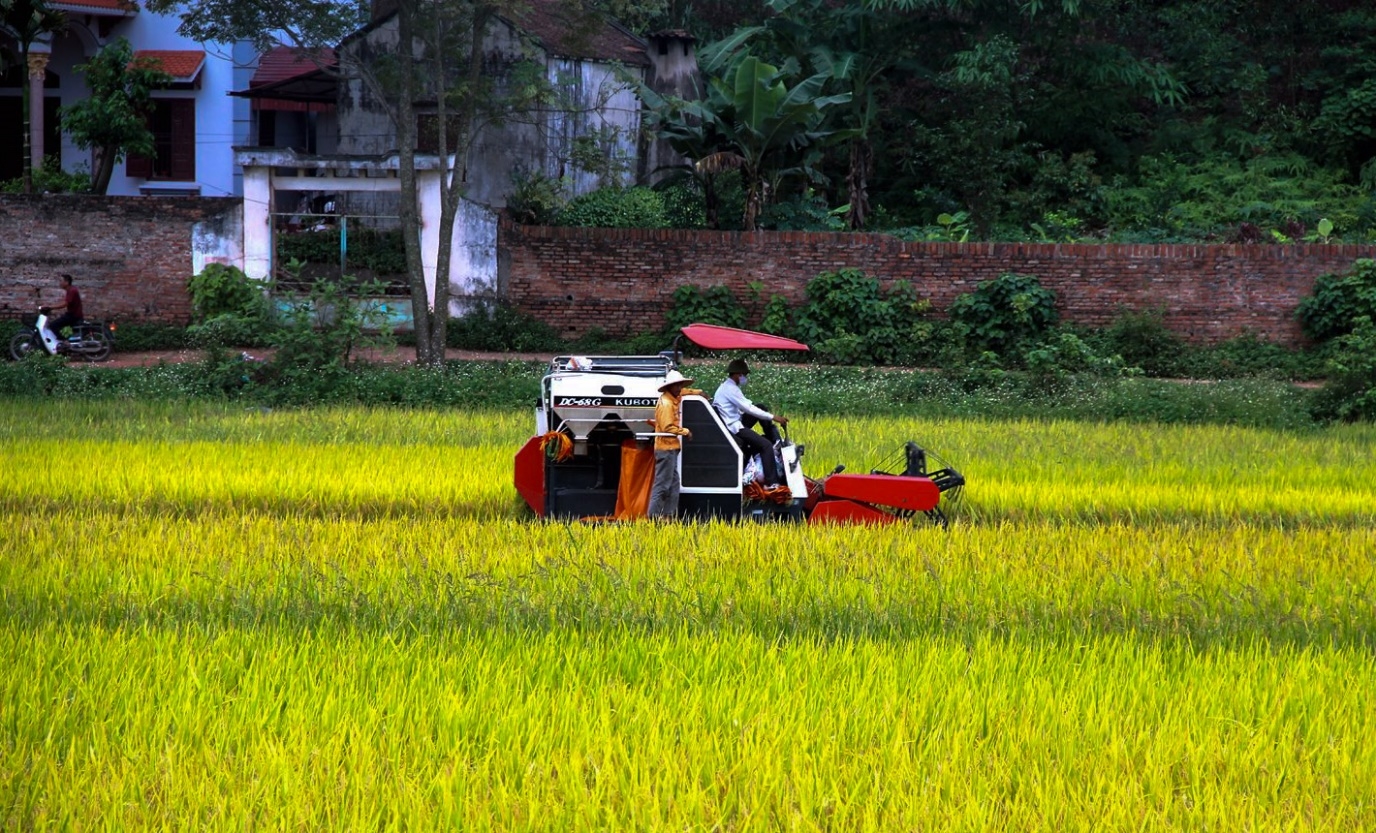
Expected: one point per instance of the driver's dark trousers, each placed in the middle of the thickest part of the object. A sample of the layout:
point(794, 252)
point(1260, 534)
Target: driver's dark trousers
point(66, 319)
point(753, 443)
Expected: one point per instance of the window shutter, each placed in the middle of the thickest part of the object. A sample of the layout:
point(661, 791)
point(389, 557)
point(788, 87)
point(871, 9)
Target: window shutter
point(136, 165)
point(182, 165)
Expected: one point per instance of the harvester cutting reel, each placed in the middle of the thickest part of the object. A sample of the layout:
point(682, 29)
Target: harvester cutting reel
point(897, 489)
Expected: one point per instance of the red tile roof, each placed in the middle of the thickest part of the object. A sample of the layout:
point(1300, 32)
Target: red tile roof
point(561, 31)
point(181, 64)
point(283, 62)
point(566, 35)
point(121, 6)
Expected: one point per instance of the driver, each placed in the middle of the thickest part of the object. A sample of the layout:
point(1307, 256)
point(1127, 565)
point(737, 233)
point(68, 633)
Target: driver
point(71, 302)
point(741, 416)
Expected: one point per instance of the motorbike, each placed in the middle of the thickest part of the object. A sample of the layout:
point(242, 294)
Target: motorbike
point(91, 340)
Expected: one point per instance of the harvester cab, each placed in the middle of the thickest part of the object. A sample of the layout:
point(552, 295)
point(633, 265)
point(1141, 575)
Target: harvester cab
point(592, 452)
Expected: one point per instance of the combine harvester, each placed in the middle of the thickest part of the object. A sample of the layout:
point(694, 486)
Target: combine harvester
point(592, 453)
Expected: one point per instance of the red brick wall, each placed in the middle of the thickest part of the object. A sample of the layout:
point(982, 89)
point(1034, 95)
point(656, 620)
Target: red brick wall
point(130, 256)
point(622, 280)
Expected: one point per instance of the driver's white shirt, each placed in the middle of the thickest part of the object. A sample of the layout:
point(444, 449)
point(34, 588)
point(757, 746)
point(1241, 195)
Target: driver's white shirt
point(732, 403)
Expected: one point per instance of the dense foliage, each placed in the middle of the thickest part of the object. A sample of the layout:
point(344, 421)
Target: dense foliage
point(615, 208)
point(1179, 120)
point(230, 308)
point(50, 178)
point(378, 252)
point(1338, 301)
point(1339, 315)
point(1005, 314)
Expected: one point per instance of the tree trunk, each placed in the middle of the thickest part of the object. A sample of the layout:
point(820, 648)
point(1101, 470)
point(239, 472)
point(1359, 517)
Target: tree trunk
point(422, 313)
point(105, 169)
point(857, 182)
point(752, 200)
point(451, 179)
point(711, 203)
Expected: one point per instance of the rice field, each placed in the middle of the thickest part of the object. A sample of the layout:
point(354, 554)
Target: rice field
point(213, 617)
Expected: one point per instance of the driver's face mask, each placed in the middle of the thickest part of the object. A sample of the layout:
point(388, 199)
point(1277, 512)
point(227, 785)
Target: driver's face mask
point(744, 379)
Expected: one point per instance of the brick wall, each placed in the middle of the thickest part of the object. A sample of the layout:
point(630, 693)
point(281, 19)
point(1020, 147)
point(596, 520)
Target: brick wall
point(622, 280)
point(130, 256)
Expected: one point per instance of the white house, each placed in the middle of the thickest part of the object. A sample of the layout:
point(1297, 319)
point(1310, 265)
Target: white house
point(196, 123)
point(599, 110)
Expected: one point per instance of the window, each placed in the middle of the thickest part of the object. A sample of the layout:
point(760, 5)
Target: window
point(267, 128)
point(173, 123)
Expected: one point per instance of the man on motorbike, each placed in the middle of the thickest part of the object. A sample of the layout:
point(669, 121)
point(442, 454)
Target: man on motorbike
point(71, 303)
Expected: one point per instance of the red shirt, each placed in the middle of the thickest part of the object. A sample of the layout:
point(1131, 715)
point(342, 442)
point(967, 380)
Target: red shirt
point(73, 302)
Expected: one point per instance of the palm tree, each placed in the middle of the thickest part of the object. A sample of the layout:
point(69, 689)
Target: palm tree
point(27, 21)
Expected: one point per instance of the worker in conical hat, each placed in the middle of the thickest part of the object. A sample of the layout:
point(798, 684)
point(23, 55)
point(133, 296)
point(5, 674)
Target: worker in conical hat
point(669, 444)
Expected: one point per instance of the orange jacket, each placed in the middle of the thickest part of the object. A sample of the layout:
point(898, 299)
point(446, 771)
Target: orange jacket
point(669, 420)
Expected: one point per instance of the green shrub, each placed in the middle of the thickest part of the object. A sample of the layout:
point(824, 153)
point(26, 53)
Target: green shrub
point(138, 336)
point(230, 330)
point(315, 344)
point(225, 290)
point(9, 327)
point(806, 212)
point(714, 305)
point(230, 309)
point(224, 373)
point(848, 319)
point(491, 325)
point(1005, 315)
point(778, 316)
point(1338, 301)
point(38, 374)
point(381, 252)
point(1350, 393)
point(51, 179)
point(684, 206)
point(1248, 355)
point(1066, 353)
point(615, 208)
point(536, 199)
point(598, 341)
point(1144, 341)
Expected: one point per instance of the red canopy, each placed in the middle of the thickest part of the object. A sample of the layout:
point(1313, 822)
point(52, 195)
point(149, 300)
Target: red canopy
point(714, 337)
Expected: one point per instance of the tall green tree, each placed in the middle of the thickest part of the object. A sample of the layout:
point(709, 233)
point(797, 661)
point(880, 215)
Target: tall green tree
point(28, 21)
point(113, 118)
point(978, 148)
point(857, 45)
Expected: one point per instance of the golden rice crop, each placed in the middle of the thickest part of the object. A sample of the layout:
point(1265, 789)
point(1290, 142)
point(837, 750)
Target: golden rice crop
point(376, 463)
point(562, 730)
point(339, 619)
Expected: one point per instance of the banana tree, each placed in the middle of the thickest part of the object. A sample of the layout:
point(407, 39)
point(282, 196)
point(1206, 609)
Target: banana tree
point(750, 119)
point(690, 138)
point(860, 45)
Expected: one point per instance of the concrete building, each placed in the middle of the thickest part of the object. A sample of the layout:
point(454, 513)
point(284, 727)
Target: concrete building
point(591, 138)
point(195, 125)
